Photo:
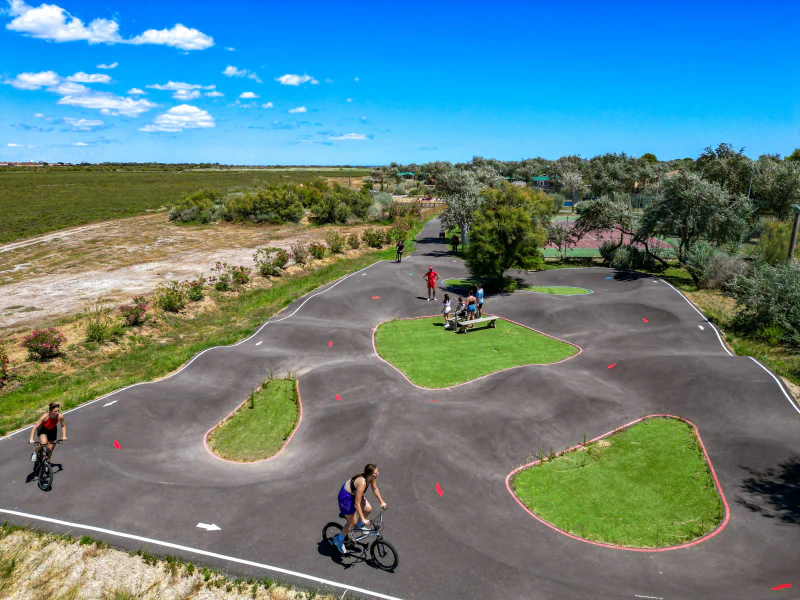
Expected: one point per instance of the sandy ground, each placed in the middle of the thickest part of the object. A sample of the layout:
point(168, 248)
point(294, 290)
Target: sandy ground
point(110, 262)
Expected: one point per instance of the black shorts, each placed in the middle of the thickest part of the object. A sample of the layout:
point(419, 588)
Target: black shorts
point(480, 305)
point(52, 434)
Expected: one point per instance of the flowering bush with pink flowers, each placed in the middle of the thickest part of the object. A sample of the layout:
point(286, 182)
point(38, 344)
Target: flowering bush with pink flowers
point(43, 343)
point(133, 314)
point(5, 364)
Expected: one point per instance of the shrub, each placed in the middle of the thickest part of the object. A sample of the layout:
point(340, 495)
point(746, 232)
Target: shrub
point(339, 204)
point(607, 250)
point(5, 363)
point(405, 210)
point(317, 250)
point(769, 301)
point(43, 343)
point(299, 253)
point(399, 191)
point(353, 241)
point(773, 244)
point(171, 296)
point(240, 275)
point(195, 288)
point(270, 261)
point(629, 258)
point(99, 326)
point(197, 206)
point(710, 270)
point(134, 314)
point(372, 237)
point(335, 241)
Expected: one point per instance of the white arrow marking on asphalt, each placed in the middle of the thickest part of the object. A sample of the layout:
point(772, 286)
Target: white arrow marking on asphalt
point(701, 327)
point(109, 404)
point(208, 527)
point(258, 343)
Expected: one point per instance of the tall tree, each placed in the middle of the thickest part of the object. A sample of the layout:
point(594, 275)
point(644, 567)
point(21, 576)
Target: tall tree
point(776, 186)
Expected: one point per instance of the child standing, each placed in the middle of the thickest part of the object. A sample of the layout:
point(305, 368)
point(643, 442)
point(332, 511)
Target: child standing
point(479, 298)
point(446, 308)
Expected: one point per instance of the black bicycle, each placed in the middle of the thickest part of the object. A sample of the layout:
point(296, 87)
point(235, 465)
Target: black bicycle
point(384, 555)
point(43, 469)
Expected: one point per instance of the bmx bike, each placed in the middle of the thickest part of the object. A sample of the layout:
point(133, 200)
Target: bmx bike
point(42, 467)
point(383, 554)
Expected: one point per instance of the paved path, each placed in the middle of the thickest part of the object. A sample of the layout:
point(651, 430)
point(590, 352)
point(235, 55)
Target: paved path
point(474, 541)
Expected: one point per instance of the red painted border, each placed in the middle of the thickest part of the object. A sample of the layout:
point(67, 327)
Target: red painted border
point(254, 462)
point(375, 350)
point(699, 540)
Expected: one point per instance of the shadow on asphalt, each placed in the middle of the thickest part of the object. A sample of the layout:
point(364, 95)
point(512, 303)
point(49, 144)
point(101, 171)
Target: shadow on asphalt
point(631, 276)
point(429, 251)
point(775, 492)
point(57, 468)
point(346, 561)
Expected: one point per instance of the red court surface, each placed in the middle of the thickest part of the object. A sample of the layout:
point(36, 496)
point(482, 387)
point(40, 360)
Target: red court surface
point(595, 239)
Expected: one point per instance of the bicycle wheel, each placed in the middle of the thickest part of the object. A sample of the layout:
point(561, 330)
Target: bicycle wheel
point(331, 530)
point(45, 477)
point(384, 555)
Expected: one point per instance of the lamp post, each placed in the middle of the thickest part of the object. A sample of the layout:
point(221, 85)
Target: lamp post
point(795, 227)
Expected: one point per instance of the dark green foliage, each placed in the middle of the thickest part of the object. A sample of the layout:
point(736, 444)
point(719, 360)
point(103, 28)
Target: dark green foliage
point(338, 204)
point(195, 288)
point(773, 244)
point(353, 241)
point(199, 206)
point(335, 241)
point(270, 261)
point(508, 232)
point(769, 302)
point(712, 270)
point(270, 204)
point(171, 297)
point(374, 238)
point(299, 253)
point(317, 250)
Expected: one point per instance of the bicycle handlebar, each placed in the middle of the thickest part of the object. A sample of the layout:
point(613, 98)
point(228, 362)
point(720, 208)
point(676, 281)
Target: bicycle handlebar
point(37, 443)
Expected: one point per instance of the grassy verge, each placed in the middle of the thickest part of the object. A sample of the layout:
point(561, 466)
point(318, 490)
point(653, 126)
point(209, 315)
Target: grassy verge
point(43, 565)
point(648, 486)
point(465, 284)
point(425, 351)
point(260, 426)
point(558, 290)
point(146, 359)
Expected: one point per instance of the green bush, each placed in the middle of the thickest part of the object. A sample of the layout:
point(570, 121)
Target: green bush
point(195, 288)
point(353, 241)
point(171, 297)
point(5, 364)
point(629, 258)
point(773, 246)
point(299, 253)
point(270, 261)
point(240, 275)
point(768, 300)
point(268, 204)
point(607, 250)
point(335, 241)
point(340, 204)
point(199, 206)
point(374, 238)
point(317, 250)
point(711, 270)
point(134, 314)
point(99, 326)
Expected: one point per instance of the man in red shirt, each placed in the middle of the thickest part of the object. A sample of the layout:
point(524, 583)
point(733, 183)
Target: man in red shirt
point(431, 276)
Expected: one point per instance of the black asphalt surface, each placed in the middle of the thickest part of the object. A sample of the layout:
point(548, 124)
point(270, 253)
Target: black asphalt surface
point(474, 541)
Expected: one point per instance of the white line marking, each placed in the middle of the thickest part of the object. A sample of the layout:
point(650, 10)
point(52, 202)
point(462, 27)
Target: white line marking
point(259, 343)
point(208, 527)
point(721, 343)
point(110, 403)
point(701, 327)
point(196, 356)
point(780, 385)
point(241, 561)
point(652, 597)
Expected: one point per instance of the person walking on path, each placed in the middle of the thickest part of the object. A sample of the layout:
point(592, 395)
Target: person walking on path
point(400, 247)
point(446, 308)
point(431, 276)
point(472, 307)
point(454, 242)
point(479, 298)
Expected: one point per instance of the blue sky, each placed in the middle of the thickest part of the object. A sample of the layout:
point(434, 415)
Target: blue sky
point(369, 83)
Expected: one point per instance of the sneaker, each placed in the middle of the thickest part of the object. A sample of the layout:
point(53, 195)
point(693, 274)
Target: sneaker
point(338, 541)
point(361, 527)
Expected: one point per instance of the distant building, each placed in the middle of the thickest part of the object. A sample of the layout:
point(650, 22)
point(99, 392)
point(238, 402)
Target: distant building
point(543, 182)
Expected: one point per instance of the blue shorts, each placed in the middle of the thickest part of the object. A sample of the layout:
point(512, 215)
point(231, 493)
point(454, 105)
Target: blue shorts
point(347, 502)
point(471, 308)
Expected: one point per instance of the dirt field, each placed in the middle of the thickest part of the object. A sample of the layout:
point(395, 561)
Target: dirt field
point(64, 272)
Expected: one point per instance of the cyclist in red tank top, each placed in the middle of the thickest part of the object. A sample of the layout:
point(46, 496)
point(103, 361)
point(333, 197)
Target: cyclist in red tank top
point(46, 428)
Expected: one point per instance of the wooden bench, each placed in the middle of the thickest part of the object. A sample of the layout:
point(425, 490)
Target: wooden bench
point(462, 325)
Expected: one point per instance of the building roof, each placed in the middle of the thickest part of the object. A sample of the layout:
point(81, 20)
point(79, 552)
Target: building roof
point(406, 173)
point(541, 178)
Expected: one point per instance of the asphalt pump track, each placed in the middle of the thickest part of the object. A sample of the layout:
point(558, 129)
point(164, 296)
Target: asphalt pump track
point(136, 472)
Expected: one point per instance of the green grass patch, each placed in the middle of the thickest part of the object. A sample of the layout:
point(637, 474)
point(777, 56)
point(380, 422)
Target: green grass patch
point(260, 426)
point(571, 252)
point(648, 486)
point(147, 359)
point(465, 284)
point(558, 290)
point(425, 351)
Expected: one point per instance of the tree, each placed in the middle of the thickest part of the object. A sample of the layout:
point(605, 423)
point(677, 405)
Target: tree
point(573, 182)
point(507, 232)
point(692, 209)
point(649, 157)
point(726, 166)
point(794, 156)
point(460, 189)
point(776, 186)
point(562, 236)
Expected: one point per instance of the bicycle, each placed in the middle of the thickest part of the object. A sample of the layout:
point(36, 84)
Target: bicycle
point(42, 469)
point(383, 553)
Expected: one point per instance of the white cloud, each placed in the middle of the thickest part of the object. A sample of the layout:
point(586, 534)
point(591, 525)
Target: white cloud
point(254, 77)
point(229, 49)
point(34, 81)
point(187, 94)
point(267, 105)
point(363, 118)
point(290, 79)
point(355, 79)
point(349, 100)
point(82, 77)
point(80, 144)
point(109, 104)
point(180, 118)
point(68, 88)
point(53, 23)
point(231, 71)
point(82, 124)
point(214, 94)
point(248, 95)
point(329, 80)
point(299, 109)
point(136, 92)
point(16, 146)
point(113, 65)
point(177, 37)
point(348, 136)
point(39, 115)
point(314, 82)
